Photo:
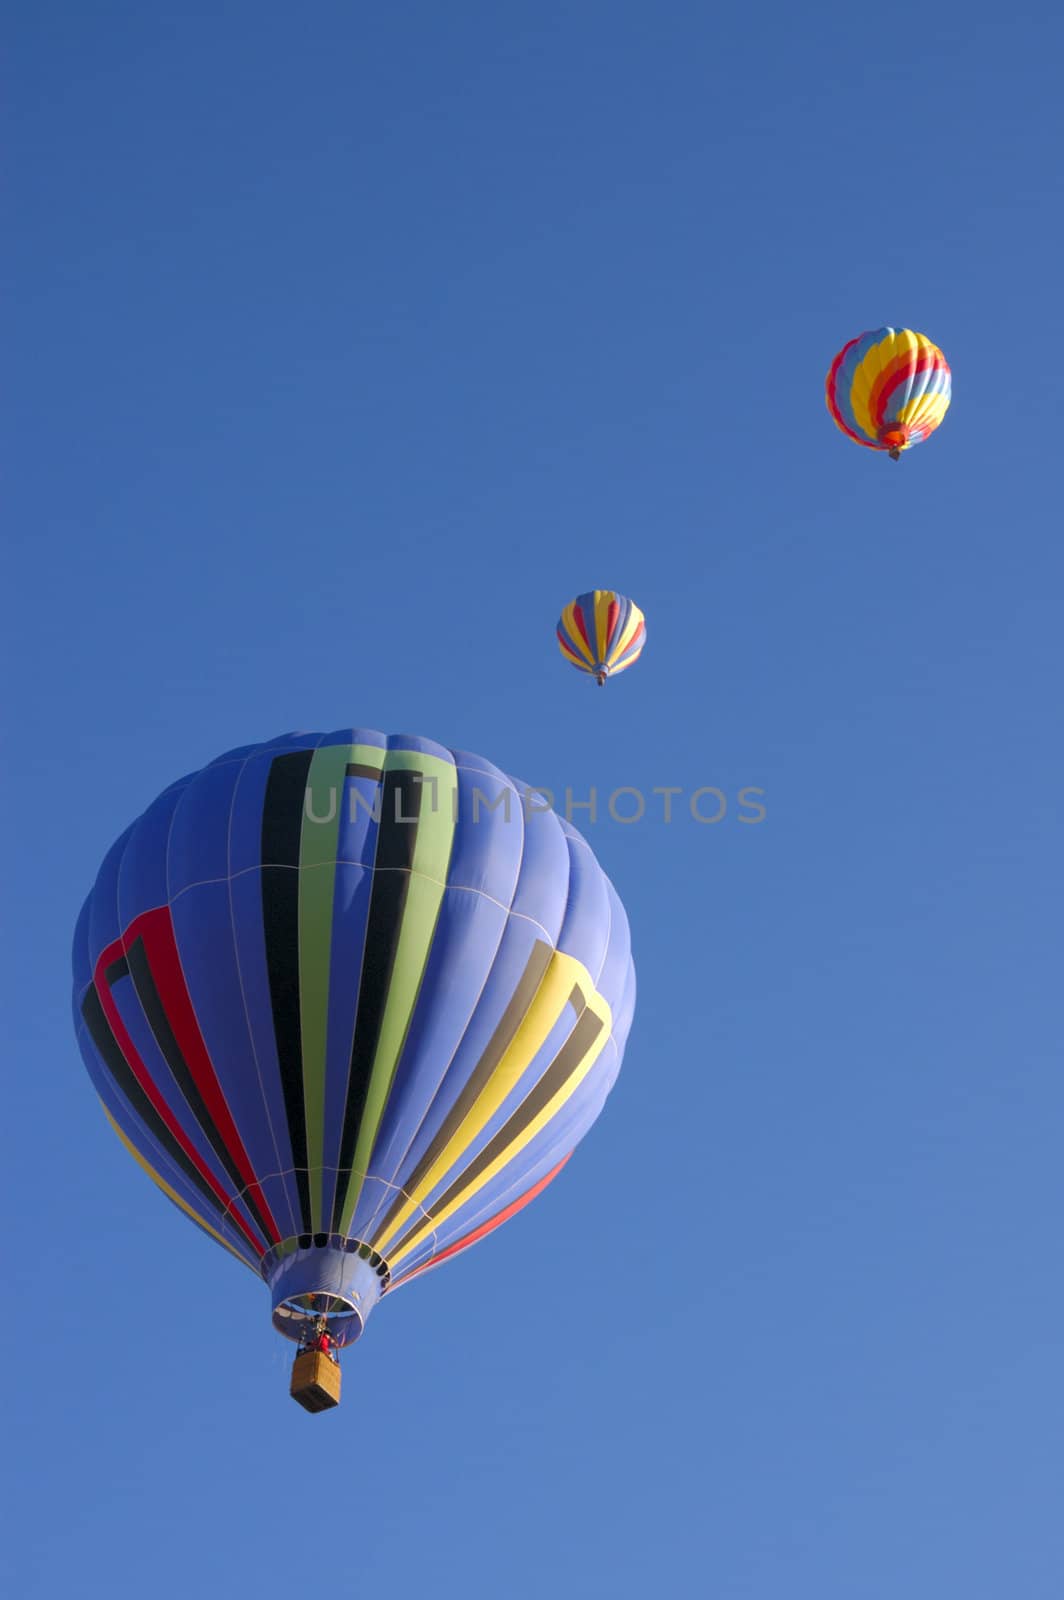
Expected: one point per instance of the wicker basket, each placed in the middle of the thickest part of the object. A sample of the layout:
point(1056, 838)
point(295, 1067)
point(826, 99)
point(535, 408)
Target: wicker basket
point(315, 1381)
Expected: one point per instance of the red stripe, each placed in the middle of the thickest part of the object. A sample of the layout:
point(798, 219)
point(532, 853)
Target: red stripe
point(829, 389)
point(611, 622)
point(578, 618)
point(156, 928)
point(143, 1077)
point(486, 1227)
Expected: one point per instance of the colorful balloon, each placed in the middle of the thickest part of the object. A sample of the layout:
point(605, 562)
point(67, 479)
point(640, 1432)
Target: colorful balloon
point(351, 1000)
point(889, 390)
point(602, 633)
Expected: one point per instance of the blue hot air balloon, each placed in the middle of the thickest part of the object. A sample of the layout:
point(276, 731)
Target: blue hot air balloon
point(351, 1000)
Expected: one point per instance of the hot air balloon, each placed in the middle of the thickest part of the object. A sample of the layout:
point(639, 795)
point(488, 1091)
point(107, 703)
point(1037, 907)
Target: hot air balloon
point(601, 633)
point(350, 1000)
point(889, 389)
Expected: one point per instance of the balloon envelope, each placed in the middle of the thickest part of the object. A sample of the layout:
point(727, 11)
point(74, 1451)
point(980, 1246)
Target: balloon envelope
point(888, 390)
point(601, 633)
point(350, 1000)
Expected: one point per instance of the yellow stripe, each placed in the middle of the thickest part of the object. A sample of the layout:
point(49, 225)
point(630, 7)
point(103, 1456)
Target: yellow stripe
point(171, 1194)
point(926, 412)
point(635, 618)
point(625, 664)
point(562, 975)
point(596, 1004)
point(604, 598)
point(569, 621)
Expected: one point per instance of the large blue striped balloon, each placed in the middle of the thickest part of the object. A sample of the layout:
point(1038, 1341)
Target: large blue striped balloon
point(351, 1001)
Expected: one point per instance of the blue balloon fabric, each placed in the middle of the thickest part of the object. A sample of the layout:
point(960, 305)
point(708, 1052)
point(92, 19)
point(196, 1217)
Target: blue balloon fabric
point(351, 1000)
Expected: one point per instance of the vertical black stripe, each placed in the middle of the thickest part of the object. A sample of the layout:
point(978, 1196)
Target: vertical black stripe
point(282, 827)
point(152, 1006)
point(396, 842)
point(111, 1052)
point(400, 813)
point(565, 1063)
point(500, 1041)
point(282, 808)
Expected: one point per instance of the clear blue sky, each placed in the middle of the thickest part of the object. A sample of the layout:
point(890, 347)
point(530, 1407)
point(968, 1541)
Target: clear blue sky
point(346, 343)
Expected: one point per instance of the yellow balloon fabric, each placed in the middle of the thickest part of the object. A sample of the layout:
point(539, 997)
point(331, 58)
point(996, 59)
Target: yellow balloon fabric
point(601, 633)
point(889, 390)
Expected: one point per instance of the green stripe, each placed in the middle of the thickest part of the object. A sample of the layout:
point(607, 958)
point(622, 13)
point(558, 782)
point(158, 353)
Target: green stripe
point(428, 878)
point(317, 882)
point(366, 755)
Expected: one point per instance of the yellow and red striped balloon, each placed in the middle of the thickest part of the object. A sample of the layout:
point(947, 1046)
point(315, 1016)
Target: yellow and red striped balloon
point(602, 633)
point(889, 390)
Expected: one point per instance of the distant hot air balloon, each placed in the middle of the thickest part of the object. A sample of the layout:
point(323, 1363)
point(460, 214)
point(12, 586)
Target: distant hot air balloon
point(889, 389)
point(602, 633)
point(351, 1001)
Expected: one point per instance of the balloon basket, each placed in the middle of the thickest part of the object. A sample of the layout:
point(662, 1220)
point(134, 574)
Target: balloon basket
point(315, 1381)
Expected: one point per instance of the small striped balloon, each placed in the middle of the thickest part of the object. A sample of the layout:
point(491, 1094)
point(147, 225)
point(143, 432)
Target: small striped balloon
point(601, 633)
point(889, 390)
